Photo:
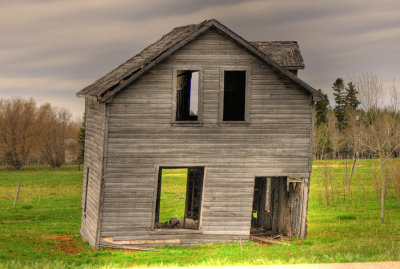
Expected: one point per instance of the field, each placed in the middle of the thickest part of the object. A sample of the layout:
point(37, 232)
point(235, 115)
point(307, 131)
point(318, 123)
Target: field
point(43, 231)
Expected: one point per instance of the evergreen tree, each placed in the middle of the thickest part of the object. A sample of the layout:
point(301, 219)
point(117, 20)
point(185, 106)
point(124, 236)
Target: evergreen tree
point(321, 110)
point(351, 96)
point(81, 140)
point(340, 98)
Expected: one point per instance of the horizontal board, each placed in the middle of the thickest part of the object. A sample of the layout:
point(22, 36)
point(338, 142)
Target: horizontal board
point(142, 135)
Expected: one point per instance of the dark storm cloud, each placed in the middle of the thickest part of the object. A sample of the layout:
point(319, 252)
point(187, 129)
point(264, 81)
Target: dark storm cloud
point(51, 49)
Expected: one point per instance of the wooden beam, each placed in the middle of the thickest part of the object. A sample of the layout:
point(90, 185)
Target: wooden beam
point(16, 195)
point(268, 196)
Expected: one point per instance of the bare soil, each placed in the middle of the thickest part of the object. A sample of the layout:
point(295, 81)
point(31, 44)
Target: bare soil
point(67, 243)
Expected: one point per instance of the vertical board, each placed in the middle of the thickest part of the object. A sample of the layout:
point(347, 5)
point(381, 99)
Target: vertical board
point(94, 139)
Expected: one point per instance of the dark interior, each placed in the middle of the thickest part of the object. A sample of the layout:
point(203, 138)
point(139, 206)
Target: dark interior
point(234, 95)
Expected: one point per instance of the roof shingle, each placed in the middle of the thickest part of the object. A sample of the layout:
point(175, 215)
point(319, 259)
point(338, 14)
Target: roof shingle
point(285, 53)
point(130, 67)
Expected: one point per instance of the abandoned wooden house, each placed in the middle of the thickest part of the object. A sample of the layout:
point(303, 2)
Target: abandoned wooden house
point(233, 113)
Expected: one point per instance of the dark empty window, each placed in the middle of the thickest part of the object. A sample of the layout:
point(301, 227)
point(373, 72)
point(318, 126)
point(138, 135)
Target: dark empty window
point(187, 85)
point(234, 95)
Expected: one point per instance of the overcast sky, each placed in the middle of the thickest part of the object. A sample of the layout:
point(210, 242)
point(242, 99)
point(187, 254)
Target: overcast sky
point(50, 49)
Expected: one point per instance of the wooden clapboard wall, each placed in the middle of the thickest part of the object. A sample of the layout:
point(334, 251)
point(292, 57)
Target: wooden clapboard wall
point(94, 141)
point(276, 141)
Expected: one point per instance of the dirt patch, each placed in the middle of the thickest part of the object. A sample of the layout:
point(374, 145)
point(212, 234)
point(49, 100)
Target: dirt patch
point(15, 221)
point(67, 243)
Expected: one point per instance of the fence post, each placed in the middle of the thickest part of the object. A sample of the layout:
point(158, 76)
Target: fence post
point(16, 196)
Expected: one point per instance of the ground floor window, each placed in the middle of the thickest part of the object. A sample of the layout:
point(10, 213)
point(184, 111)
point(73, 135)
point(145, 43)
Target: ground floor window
point(179, 193)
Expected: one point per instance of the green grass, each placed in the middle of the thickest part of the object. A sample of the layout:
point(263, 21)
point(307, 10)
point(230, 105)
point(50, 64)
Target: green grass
point(173, 192)
point(43, 231)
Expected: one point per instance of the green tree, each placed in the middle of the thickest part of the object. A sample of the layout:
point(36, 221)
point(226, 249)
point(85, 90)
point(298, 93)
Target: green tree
point(321, 110)
point(339, 93)
point(350, 99)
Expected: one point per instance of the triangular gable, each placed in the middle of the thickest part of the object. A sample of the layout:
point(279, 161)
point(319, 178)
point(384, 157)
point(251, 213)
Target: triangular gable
point(113, 82)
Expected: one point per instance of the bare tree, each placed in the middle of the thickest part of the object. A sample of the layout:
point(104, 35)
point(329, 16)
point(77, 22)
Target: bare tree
point(54, 127)
point(370, 91)
point(72, 143)
point(380, 129)
point(335, 134)
point(327, 139)
point(18, 131)
point(353, 135)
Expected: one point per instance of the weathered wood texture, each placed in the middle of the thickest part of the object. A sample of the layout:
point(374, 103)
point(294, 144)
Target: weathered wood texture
point(141, 137)
point(298, 200)
point(94, 140)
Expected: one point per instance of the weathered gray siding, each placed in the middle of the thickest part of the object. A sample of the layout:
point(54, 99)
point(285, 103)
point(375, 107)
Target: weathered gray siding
point(94, 140)
point(275, 142)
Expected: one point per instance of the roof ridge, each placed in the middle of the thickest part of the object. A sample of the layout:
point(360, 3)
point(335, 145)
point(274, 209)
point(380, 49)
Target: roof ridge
point(105, 87)
point(183, 26)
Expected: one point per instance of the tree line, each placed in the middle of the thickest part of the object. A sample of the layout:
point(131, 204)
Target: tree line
point(360, 124)
point(364, 122)
point(31, 134)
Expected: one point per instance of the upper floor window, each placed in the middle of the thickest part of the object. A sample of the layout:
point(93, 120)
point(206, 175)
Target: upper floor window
point(187, 95)
point(234, 106)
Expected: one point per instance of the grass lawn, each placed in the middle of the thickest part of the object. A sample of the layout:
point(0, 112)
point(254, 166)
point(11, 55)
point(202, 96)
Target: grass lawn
point(43, 231)
point(173, 190)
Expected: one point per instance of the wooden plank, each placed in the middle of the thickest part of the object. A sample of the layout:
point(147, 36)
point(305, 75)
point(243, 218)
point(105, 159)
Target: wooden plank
point(141, 138)
point(93, 159)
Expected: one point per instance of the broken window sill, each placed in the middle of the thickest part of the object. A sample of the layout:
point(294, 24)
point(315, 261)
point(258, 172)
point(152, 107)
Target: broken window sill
point(186, 123)
point(233, 123)
point(174, 231)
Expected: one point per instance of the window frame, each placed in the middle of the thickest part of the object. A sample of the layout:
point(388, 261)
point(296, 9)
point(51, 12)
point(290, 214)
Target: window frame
point(199, 121)
point(246, 120)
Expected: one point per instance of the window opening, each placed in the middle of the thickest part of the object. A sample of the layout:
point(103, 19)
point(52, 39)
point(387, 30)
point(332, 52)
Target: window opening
point(187, 85)
point(179, 193)
point(234, 95)
point(86, 191)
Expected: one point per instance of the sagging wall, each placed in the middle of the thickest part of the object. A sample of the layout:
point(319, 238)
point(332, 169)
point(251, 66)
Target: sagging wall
point(94, 140)
point(280, 206)
point(298, 204)
point(142, 136)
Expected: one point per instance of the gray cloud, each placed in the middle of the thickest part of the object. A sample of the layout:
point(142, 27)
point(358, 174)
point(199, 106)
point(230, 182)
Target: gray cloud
point(51, 49)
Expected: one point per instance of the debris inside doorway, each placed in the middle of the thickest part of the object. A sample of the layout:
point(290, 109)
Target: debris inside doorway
point(178, 223)
point(265, 237)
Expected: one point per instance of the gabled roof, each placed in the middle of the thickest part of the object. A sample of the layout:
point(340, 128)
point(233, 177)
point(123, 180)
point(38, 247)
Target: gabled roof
point(285, 53)
point(107, 86)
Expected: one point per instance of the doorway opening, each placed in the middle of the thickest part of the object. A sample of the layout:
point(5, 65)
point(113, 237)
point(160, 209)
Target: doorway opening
point(269, 205)
point(179, 193)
